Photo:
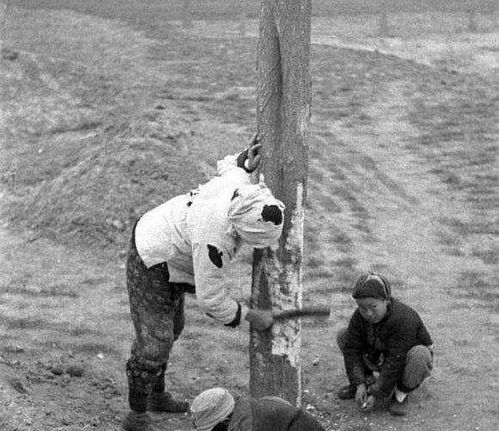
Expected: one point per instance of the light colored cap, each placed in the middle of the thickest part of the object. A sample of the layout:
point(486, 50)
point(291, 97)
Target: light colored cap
point(210, 408)
point(256, 215)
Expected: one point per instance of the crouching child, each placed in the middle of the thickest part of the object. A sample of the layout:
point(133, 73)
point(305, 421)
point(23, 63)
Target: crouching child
point(386, 348)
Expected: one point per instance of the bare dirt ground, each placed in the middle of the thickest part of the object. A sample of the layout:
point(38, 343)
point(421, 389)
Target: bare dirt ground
point(402, 162)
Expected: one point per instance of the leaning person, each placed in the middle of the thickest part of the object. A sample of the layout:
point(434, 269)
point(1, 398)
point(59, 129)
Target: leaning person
point(387, 339)
point(217, 410)
point(185, 245)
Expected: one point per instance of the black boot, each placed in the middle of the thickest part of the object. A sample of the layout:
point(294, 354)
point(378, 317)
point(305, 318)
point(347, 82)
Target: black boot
point(161, 401)
point(164, 402)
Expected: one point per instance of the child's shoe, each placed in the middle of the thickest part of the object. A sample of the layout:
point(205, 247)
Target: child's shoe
point(347, 392)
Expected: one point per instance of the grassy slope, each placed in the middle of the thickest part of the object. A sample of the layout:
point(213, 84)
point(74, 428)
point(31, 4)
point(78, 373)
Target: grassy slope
point(78, 128)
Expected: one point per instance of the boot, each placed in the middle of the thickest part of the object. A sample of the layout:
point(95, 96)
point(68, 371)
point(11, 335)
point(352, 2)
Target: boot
point(347, 392)
point(161, 401)
point(138, 422)
point(164, 402)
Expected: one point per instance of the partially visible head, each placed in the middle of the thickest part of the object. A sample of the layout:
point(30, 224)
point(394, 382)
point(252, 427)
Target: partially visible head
point(257, 216)
point(210, 408)
point(372, 293)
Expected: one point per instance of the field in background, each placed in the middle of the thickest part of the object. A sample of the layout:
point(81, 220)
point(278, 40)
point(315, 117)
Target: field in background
point(103, 119)
point(227, 9)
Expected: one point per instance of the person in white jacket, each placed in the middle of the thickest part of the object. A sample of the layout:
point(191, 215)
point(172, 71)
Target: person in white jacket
point(185, 245)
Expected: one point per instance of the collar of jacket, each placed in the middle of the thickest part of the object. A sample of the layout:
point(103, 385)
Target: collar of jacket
point(388, 312)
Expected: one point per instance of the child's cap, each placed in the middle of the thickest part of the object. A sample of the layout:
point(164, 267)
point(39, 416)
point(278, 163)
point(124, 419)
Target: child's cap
point(372, 285)
point(211, 407)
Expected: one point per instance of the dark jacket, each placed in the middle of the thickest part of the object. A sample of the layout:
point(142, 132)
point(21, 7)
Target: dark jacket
point(386, 342)
point(270, 414)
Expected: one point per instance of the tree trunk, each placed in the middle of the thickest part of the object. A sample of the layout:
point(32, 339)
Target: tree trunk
point(283, 111)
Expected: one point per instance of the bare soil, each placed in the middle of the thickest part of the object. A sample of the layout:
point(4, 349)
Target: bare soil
point(102, 119)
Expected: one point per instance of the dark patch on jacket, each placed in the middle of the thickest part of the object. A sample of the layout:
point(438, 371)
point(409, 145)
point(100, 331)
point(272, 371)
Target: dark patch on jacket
point(215, 256)
point(272, 213)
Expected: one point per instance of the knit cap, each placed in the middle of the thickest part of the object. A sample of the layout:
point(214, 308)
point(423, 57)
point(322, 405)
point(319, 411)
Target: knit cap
point(256, 215)
point(371, 285)
point(211, 407)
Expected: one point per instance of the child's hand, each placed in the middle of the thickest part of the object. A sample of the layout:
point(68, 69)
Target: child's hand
point(361, 395)
point(369, 403)
point(370, 399)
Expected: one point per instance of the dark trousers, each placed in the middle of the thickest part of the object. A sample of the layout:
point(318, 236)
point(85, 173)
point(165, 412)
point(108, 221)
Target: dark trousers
point(418, 364)
point(157, 311)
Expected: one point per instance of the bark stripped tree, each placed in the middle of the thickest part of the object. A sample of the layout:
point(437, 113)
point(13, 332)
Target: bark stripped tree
point(283, 111)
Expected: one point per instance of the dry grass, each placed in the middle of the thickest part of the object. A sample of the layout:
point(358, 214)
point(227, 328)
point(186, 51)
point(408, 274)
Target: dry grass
point(479, 286)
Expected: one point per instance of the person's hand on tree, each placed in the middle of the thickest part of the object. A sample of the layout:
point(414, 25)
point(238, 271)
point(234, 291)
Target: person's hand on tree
point(254, 154)
point(260, 319)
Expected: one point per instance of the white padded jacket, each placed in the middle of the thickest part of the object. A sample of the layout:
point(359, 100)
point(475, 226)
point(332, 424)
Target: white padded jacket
point(192, 233)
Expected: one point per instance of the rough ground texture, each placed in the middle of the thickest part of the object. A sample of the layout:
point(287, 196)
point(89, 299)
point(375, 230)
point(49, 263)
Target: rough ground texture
point(102, 119)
